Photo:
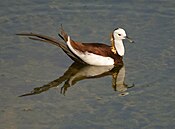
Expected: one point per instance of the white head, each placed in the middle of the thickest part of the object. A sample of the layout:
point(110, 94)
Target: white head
point(119, 34)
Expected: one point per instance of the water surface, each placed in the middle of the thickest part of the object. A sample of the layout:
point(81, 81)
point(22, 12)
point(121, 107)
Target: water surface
point(89, 103)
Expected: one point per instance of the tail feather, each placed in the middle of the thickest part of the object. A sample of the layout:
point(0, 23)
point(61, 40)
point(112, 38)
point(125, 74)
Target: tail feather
point(63, 34)
point(53, 41)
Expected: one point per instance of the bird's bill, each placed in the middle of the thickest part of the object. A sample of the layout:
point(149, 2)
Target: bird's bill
point(129, 39)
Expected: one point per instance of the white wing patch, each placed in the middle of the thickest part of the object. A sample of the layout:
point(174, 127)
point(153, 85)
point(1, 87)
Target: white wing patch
point(91, 58)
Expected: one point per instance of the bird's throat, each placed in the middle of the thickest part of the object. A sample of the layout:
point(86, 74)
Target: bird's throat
point(119, 47)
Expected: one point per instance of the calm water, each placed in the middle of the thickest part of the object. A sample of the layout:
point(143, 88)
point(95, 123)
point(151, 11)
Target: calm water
point(91, 103)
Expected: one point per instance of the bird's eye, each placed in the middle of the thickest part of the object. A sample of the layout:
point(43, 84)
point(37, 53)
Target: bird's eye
point(119, 34)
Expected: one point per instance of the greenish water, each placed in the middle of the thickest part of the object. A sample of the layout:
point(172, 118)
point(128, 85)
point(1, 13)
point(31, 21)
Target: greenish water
point(91, 103)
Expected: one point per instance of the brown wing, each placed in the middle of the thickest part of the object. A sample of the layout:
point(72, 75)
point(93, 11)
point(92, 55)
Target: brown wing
point(96, 48)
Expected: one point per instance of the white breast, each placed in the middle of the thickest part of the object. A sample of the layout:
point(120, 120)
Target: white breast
point(91, 58)
point(94, 59)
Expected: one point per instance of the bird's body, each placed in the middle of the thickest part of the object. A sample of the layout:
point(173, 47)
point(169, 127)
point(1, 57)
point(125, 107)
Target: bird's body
point(98, 54)
point(94, 53)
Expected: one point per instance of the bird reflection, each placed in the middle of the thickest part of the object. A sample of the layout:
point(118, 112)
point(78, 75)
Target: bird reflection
point(77, 72)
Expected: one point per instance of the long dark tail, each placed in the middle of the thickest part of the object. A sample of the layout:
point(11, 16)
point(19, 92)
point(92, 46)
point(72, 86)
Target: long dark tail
point(54, 41)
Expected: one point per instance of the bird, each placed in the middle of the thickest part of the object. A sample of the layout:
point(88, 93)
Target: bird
point(96, 54)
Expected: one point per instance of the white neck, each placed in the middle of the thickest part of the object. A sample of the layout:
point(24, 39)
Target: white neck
point(119, 47)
